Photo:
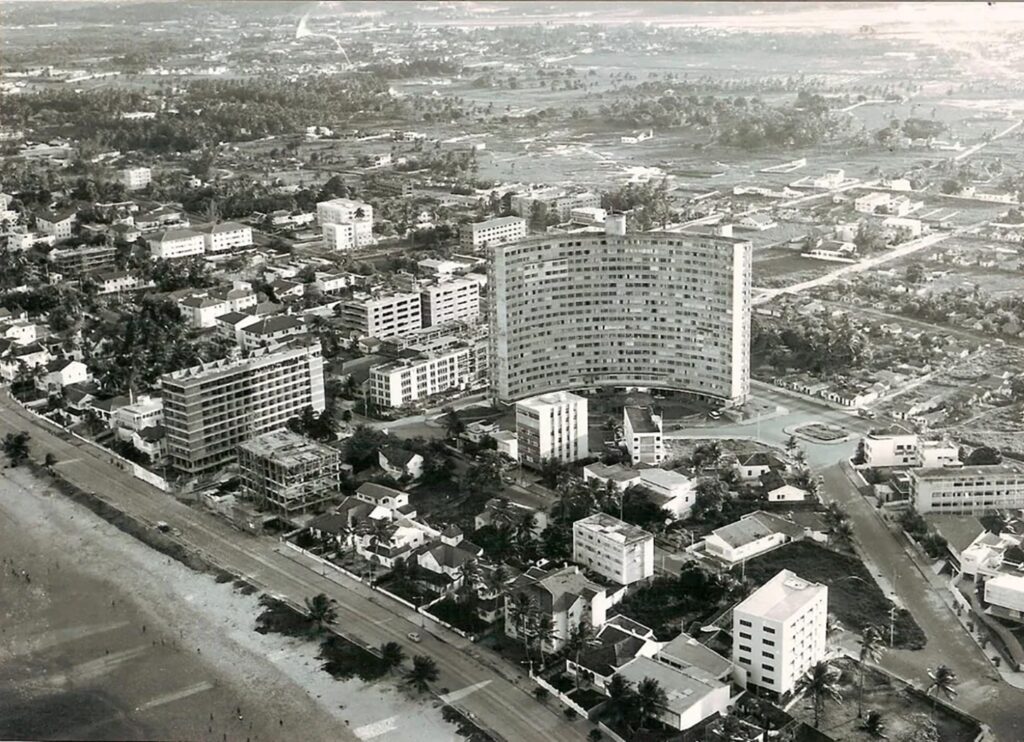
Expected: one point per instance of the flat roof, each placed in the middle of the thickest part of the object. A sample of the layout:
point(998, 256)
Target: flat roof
point(966, 472)
point(782, 596)
point(641, 419)
point(609, 525)
point(550, 399)
point(682, 690)
point(288, 448)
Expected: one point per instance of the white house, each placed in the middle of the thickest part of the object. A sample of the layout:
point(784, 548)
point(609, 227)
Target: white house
point(671, 490)
point(750, 536)
point(400, 462)
point(57, 224)
point(61, 372)
point(1006, 593)
point(787, 493)
point(565, 596)
point(753, 466)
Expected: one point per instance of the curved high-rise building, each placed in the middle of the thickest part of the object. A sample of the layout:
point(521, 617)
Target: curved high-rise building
point(653, 309)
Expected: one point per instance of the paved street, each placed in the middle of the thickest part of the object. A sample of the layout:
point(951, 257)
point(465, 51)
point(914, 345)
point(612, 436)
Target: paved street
point(507, 709)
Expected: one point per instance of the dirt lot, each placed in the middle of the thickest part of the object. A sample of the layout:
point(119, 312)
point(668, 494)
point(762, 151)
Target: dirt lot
point(108, 639)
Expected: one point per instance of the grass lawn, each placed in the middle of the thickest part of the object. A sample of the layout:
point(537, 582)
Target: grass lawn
point(902, 710)
point(857, 603)
point(413, 591)
point(587, 698)
point(459, 615)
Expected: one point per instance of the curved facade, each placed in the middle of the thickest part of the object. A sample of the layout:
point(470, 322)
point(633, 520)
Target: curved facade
point(653, 309)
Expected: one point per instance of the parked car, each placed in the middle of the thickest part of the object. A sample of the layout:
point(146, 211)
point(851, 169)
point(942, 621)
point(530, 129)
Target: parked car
point(414, 637)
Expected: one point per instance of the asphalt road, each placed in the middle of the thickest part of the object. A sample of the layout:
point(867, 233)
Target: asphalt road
point(506, 708)
point(981, 690)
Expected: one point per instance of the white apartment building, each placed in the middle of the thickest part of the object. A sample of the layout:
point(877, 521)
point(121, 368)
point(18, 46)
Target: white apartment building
point(136, 178)
point(203, 308)
point(642, 432)
point(933, 454)
point(614, 549)
point(895, 448)
point(1006, 592)
point(211, 408)
point(402, 382)
point(499, 231)
point(552, 426)
point(144, 413)
point(59, 224)
point(176, 243)
point(382, 316)
point(454, 300)
point(779, 633)
point(555, 201)
point(226, 237)
point(588, 215)
point(339, 236)
point(967, 490)
point(346, 211)
point(650, 310)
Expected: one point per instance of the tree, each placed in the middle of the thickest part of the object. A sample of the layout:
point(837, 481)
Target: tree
point(709, 498)
point(577, 641)
point(650, 698)
point(50, 461)
point(707, 454)
point(543, 631)
point(453, 425)
point(871, 648)
point(983, 456)
point(392, 655)
point(622, 701)
point(920, 728)
point(16, 447)
point(423, 672)
point(523, 612)
point(821, 685)
point(943, 680)
point(874, 724)
point(322, 611)
point(843, 532)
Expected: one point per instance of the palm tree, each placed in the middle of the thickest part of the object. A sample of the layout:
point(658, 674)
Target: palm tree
point(321, 611)
point(622, 700)
point(843, 532)
point(469, 573)
point(523, 610)
point(650, 698)
point(871, 648)
point(525, 527)
point(392, 655)
point(423, 672)
point(835, 514)
point(577, 641)
point(833, 626)
point(50, 461)
point(543, 632)
point(453, 425)
point(943, 679)
point(820, 683)
point(874, 724)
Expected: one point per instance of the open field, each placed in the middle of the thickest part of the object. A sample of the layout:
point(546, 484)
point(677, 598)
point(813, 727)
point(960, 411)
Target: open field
point(112, 640)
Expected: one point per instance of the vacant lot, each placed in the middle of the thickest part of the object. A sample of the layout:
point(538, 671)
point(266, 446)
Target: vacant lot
point(853, 596)
point(781, 266)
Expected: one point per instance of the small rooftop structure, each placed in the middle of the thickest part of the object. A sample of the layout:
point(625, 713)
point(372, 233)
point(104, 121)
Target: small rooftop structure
point(782, 596)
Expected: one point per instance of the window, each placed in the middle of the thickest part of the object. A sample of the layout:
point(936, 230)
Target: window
point(767, 629)
point(769, 643)
point(744, 622)
point(745, 660)
point(769, 668)
point(744, 635)
point(744, 648)
point(769, 655)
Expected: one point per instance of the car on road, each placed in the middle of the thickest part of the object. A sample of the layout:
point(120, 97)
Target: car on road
point(414, 637)
point(163, 527)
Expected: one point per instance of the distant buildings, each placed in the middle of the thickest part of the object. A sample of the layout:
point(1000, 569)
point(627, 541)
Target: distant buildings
point(614, 549)
point(382, 316)
point(898, 448)
point(288, 473)
point(176, 243)
point(642, 432)
point(650, 310)
point(779, 633)
point(454, 300)
point(967, 490)
point(552, 201)
point(552, 426)
point(135, 178)
point(226, 237)
point(82, 259)
point(498, 231)
point(210, 409)
point(345, 223)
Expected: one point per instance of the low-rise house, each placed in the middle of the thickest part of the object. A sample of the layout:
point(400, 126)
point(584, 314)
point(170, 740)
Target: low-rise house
point(449, 556)
point(284, 289)
point(150, 441)
point(615, 475)
point(61, 372)
point(498, 511)
point(757, 221)
point(387, 502)
point(268, 331)
point(106, 409)
point(750, 536)
point(1004, 595)
point(753, 466)
point(144, 412)
point(787, 493)
point(15, 358)
point(114, 282)
point(565, 597)
point(400, 463)
point(691, 695)
point(508, 444)
point(670, 490)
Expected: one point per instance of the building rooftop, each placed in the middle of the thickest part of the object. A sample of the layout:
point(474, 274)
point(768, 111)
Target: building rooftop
point(610, 526)
point(966, 472)
point(664, 478)
point(377, 492)
point(614, 472)
point(551, 399)
point(497, 221)
point(642, 420)
point(960, 531)
point(756, 526)
point(691, 652)
point(781, 597)
point(682, 689)
point(233, 364)
point(273, 324)
point(288, 449)
point(397, 456)
point(224, 227)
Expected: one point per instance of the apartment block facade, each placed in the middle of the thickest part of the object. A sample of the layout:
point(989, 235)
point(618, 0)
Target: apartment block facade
point(649, 310)
point(287, 472)
point(451, 301)
point(614, 549)
point(642, 432)
point(83, 259)
point(136, 178)
point(500, 231)
point(408, 380)
point(552, 426)
point(779, 633)
point(968, 490)
point(346, 211)
point(177, 243)
point(226, 237)
point(210, 409)
point(382, 316)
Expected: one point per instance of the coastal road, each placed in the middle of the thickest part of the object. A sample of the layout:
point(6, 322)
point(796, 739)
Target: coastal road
point(504, 707)
point(981, 690)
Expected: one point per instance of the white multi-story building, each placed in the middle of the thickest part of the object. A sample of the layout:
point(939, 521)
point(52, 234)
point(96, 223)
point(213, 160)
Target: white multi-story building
point(588, 215)
point(176, 243)
point(345, 211)
point(136, 178)
point(382, 316)
point(933, 454)
point(614, 549)
point(499, 231)
point(144, 413)
point(641, 430)
point(203, 308)
point(651, 310)
point(339, 236)
point(226, 237)
point(552, 426)
point(210, 409)
point(968, 489)
point(408, 380)
point(454, 300)
point(555, 201)
point(779, 633)
point(57, 224)
point(896, 448)
point(1006, 592)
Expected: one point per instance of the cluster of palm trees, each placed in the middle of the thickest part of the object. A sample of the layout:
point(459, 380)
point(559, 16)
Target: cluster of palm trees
point(838, 521)
point(531, 624)
point(513, 530)
point(633, 707)
point(16, 447)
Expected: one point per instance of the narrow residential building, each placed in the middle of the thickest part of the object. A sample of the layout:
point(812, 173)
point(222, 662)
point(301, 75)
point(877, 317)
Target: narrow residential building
point(382, 316)
point(613, 548)
point(642, 432)
point(454, 300)
point(552, 426)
